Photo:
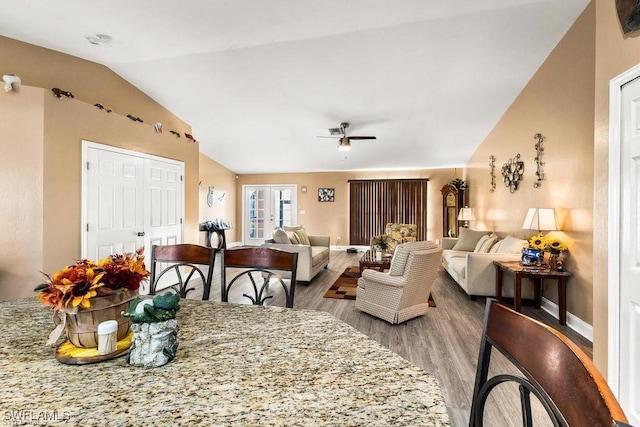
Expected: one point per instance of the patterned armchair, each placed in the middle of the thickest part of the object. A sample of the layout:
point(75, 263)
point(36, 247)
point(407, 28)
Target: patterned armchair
point(398, 234)
point(403, 292)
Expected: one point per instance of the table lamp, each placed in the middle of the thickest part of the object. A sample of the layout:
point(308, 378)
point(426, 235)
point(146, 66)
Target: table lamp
point(541, 219)
point(466, 215)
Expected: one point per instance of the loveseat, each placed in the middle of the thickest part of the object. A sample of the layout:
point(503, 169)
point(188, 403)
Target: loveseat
point(470, 263)
point(313, 251)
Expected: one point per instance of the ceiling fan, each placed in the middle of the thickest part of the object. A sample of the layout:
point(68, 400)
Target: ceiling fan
point(344, 143)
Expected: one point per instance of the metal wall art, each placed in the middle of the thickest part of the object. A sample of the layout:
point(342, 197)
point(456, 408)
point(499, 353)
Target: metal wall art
point(492, 173)
point(538, 160)
point(512, 173)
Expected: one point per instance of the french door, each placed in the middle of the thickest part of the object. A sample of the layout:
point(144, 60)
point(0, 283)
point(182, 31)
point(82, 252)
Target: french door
point(266, 207)
point(129, 199)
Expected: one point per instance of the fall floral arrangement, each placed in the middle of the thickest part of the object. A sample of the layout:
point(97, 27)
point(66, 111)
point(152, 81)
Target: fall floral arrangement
point(547, 244)
point(77, 284)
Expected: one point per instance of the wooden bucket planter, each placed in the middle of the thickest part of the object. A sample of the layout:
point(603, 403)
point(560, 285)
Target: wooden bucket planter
point(82, 327)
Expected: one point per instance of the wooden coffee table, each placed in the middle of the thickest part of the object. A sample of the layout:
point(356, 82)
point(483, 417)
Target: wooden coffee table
point(368, 260)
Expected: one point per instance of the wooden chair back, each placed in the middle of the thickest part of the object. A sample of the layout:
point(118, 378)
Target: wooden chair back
point(554, 369)
point(260, 265)
point(186, 261)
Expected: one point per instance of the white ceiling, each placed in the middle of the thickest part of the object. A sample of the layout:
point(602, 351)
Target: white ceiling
point(258, 80)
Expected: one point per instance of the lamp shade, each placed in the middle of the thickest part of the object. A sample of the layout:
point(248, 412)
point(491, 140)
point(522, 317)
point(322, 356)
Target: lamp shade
point(541, 219)
point(344, 144)
point(466, 214)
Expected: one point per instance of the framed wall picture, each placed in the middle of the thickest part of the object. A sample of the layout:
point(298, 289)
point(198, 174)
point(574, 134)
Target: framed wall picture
point(326, 194)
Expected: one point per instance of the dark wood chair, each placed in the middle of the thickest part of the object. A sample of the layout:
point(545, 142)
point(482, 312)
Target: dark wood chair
point(185, 261)
point(260, 265)
point(554, 369)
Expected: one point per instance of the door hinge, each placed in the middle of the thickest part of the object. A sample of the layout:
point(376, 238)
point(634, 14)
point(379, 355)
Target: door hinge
point(87, 226)
point(88, 167)
point(180, 220)
point(180, 178)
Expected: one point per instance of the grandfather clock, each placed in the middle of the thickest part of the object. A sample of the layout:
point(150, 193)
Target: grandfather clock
point(452, 202)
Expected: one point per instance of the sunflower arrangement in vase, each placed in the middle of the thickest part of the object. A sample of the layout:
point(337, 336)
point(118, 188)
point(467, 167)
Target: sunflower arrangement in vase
point(100, 290)
point(553, 245)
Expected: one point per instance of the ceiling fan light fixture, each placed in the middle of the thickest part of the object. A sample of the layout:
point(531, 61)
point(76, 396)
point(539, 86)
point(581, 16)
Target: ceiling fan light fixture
point(344, 144)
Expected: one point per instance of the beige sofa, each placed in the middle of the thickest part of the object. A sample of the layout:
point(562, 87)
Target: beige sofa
point(475, 272)
point(312, 257)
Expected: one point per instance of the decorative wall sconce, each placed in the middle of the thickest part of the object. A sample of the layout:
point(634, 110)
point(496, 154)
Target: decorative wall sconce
point(492, 173)
point(512, 172)
point(538, 160)
point(211, 197)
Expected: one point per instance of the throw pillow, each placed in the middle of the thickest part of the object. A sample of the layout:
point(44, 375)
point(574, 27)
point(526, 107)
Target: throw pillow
point(280, 236)
point(511, 245)
point(468, 239)
point(293, 239)
point(496, 247)
point(480, 243)
point(486, 245)
point(302, 237)
point(293, 227)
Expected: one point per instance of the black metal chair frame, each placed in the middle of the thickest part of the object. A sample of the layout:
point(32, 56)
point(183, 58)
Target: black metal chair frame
point(191, 256)
point(593, 399)
point(262, 261)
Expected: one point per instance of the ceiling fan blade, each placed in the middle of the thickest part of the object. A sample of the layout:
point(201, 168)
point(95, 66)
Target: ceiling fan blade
point(334, 137)
point(362, 137)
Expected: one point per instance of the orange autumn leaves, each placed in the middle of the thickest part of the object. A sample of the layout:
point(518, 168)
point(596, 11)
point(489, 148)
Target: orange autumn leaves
point(77, 284)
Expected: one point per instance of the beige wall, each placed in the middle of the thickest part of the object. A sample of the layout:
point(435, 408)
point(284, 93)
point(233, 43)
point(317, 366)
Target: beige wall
point(89, 82)
point(21, 191)
point(41, 148)
point(332, 219)
point(615, 53)
point(213, 174)
point(558, 103)
point(67, 123)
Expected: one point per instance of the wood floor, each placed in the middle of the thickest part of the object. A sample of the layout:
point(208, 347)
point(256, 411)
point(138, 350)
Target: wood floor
point(444, 342)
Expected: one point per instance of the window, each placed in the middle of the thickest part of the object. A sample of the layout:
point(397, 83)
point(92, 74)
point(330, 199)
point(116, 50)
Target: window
point(374, 203)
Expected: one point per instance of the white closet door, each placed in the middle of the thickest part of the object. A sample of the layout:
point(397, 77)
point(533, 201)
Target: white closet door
point(114, 203)
point(130, 200)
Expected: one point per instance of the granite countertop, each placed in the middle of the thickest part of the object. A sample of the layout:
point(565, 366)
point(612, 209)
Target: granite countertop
point(236, 365)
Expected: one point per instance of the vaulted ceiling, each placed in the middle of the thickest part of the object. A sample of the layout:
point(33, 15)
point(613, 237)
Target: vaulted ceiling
point(259, 80)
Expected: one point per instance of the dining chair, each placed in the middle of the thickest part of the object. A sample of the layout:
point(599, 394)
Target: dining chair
point(184, 264)
point(260, 266)
point(553, 368)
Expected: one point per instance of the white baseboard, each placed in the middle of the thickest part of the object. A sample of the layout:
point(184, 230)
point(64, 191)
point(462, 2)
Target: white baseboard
point(573, 321)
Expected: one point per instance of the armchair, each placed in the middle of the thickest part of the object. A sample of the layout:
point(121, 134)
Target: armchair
point(398, 234)
point(403, 292)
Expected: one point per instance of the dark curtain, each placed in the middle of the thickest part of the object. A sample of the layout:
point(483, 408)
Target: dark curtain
point(374, 203)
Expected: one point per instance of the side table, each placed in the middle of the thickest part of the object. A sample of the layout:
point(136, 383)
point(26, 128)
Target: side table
point(536, 274)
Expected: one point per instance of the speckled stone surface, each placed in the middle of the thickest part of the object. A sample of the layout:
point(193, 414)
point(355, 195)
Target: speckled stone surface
point(236, 365)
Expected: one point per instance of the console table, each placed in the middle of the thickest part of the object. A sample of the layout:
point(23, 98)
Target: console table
point(536, 274)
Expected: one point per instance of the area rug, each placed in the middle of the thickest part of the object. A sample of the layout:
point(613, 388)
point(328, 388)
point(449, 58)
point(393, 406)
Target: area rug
point(346, 285)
